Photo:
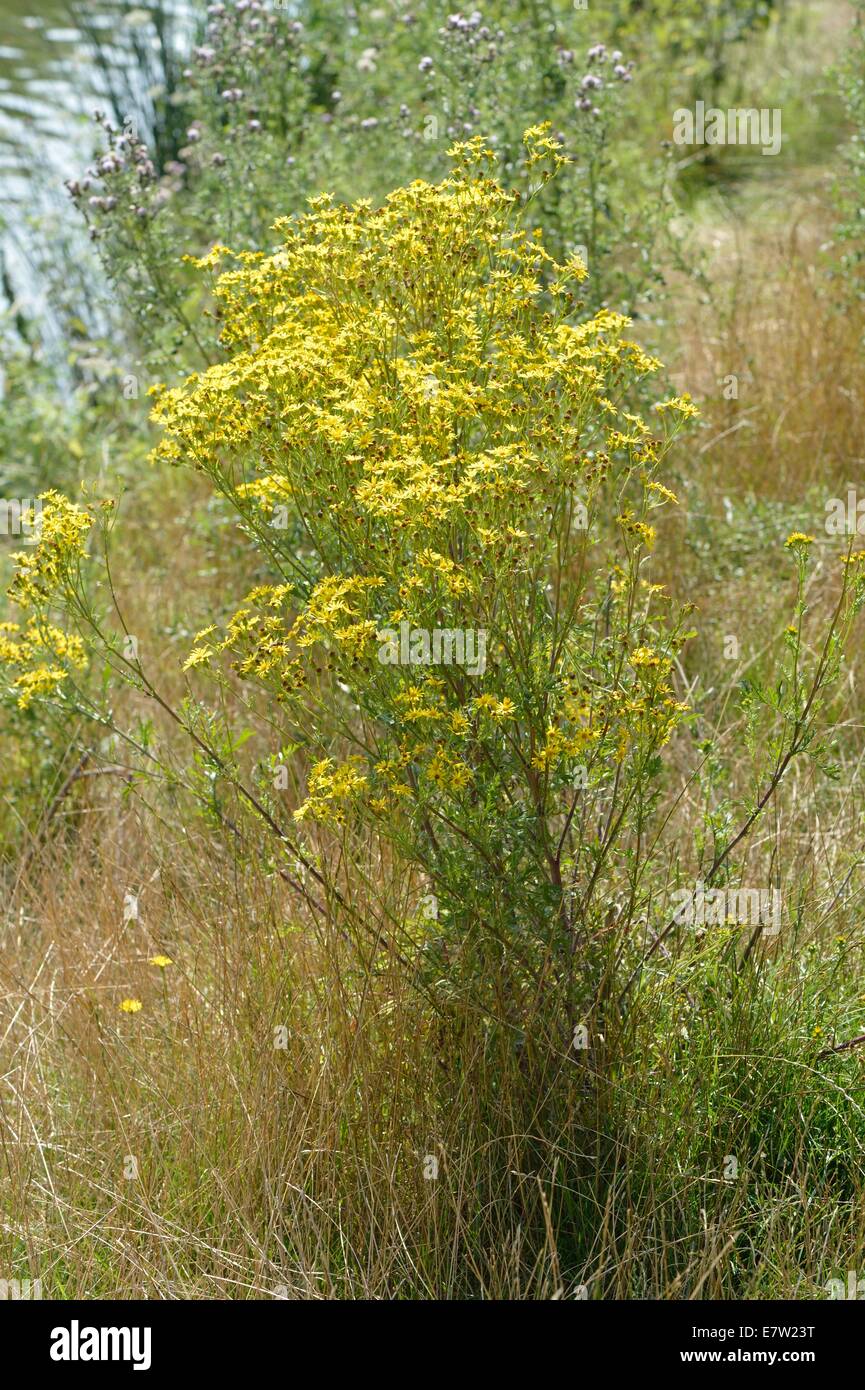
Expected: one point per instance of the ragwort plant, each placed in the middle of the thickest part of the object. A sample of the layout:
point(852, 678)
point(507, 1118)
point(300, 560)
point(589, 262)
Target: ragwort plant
point(451, 505)
point(436, 460)
point(455, 636)
point(456, 644)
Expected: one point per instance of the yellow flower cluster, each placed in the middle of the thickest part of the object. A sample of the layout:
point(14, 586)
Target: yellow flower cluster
point(559, 744)
point(37, 652)
point(329, 789)
point(409, 383)
point(334, 611)
point(682, 406)
point(62, 541)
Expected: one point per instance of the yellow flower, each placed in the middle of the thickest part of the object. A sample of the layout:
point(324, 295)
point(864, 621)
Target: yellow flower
point(646, 656)
point(131, 1006)
point(209, 261)
point(663, 492)
point(680, 405)
point(197, 657)
point(328, 786)
point(448, 773)
point(161, 961)
point(497, 709)
point(798, 538)
point(641, 529)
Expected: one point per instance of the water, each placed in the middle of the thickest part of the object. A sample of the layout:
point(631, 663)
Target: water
point(43, 81)
point(56, 67)
point(57, 64)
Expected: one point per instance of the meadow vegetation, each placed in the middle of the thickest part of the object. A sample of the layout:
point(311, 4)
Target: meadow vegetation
point(429, 585)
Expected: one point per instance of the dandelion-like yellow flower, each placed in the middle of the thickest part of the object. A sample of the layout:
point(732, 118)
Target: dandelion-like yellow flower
point(663, 491)
point(645, 656)
point(679, 405)
point(131, 1006)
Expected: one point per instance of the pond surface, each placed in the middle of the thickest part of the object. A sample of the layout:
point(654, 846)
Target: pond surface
point(48, 82)
point(59, 61)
